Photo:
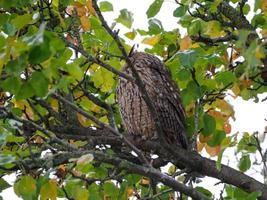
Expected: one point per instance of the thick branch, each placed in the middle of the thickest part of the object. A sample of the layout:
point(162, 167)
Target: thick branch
point(123, 165)
point(238, 20)
point(207, 167)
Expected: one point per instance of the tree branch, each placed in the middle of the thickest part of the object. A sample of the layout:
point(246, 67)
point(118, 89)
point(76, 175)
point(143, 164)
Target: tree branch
point(123, 165)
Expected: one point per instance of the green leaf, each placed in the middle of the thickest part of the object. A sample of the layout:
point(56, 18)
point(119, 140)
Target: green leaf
point(125, 18)
point(183, 75)
point(131, 35)
point(15, 67)
point(111, 190)
point(258, 20)
point(253, 195)
point(247, 143)
point(39, 53)
point(9, 29)
point(244, 163)
point(3, 184)
point(103, 79)
point(246, 9)
point(25, 91)
point(81, 194)
point(105, 6)
point(6, 159)
point(190, 93)
point(55, 3)
point(154, 8)
point(13, 138)
point(75, 71)
point(204, 191)
point(39, 83)
point(195, 28)
point(180, 11)
point(49, 191)
point(21, 20)
point(209, 125)
point(217, 138)
point(249, 55)
point(229, 190)
point(225, 78)
point(75, 190)
point(94, 192)
point(25, 187)
point(3, 136)
point(188, 58)
point(11, 85)
point(155, 26)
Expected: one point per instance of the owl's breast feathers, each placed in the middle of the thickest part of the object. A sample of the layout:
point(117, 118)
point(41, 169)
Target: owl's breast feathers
point(165, 95)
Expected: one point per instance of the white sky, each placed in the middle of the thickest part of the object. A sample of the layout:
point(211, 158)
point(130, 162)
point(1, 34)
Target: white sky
point(249, 115)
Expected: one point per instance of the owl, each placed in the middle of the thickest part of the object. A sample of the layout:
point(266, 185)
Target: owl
point(162, 91)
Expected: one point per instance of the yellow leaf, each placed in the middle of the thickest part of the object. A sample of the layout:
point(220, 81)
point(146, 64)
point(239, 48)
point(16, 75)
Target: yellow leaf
point(1, 64)
point(130, 192)
point(83, 120)
point(235, 89)
point(264, 7)
point(94, 67)
point(218, 115)
point(190, 109)
point(54, 104)
point(151, 40)
point(213, 151)
point(38, 140)
point(81, 194)
point(2, 98)
point(86, 25)
point(172, 170)
point(131, 35)
point(204, 139)
point(199, 146)
point(78, 94)
point(144, 181)
point(90, 7)
point(23, 105)
point(259, 54)
point(225, 107)
point(81, 10)
point(55, 3)
point(227, 127)
point(264, 32)
point(69, 10)
point(214, 29)
point(185, 43)
point(195, 45)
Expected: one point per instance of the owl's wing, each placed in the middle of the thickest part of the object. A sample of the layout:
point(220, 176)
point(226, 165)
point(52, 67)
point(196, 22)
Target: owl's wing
point(168, 102)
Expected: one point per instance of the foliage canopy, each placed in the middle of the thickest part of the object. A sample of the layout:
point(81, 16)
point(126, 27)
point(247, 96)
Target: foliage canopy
point(60, 129)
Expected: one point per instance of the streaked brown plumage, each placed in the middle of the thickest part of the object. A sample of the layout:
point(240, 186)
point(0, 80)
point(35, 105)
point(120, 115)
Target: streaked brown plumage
point(162, 91)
